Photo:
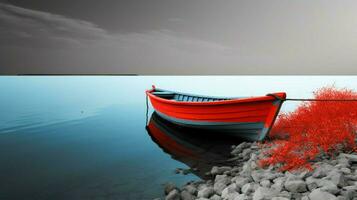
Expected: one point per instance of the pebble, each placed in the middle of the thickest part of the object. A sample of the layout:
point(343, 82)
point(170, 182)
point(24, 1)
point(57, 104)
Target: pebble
point(331, 179)
point(321, 195)
point(173, 195)
point(295, 186)
point(206, 192)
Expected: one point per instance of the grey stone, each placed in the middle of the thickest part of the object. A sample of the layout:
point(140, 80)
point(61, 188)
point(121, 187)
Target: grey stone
point(279, 198)
point(219, 187)
point(345, 170)
point(337, 178)
point(253, 165)
point(220, 182)
point(342, 162)
point(263, 193)
point(341, 198)
point(202, 198)
point(230, 192)
point(350, 157)
point(305, 198)
point(285, 194)
point(169, 187)
point(322, 170)
point(265, 183)
point(296, 195)
point(303, 175)
point(185, 195)
point(222, 178)
point(246, 170)
point(278, 183)
point(312, 183)
point(215, 197)
point(248, 188)
point(349, 191)
point(242, 181)
point(191, 189)
point(246, 153)
point(328, 186)
point(321, 195)
point(239, 148)
point(219, 170)
point(242, 197)
point(205, 192)
point(257, 175)
point(295, 186)
point(173, 195)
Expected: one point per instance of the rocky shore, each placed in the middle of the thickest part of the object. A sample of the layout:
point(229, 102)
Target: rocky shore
point(332, 179)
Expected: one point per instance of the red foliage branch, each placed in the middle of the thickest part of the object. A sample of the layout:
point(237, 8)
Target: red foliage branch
point(313, 128)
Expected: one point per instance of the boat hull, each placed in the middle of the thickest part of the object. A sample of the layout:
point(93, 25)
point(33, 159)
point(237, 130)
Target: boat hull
point(248, 118)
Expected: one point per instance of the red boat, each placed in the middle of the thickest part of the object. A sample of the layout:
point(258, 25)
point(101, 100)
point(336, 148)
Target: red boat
point(250, 118)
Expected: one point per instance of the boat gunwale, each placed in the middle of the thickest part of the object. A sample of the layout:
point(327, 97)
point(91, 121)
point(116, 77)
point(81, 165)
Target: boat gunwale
point(282, 95)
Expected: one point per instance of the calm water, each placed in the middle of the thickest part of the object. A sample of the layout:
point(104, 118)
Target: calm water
point(85, 137)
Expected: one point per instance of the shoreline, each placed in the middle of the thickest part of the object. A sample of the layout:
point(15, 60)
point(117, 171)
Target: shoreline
point(331, 179)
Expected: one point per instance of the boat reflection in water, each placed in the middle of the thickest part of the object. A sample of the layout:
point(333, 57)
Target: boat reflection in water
point(198, 149)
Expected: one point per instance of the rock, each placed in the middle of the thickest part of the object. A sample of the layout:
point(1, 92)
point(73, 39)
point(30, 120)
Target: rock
point(278, 183)
point(257, 175)
point(246, 170)
point(263, 193)
point(230, 192)
point(279, 198)
point(328, 186)
point(242, 197)
point(342, 162)
point(253, 165)
point(202, 198)
point(185, 195)
point(312, 183)
point(219, 170)
point(169, 187)
point(296, 195)
point(265, 183)
point(350, 157)
point(173, 195)
point(322, 170)
point(242, 181)
point(246, 153)
point(206, 192)
point(321, 195)
point(305, 198)
point(191, 189)
point(337, 178)
point(220, 182)
point(295, 186)
point(345, 170)
point(215, 197)
point(341, 198)
point(285, 194)
point(349, 191)
point(248, 188)
point(303, 175)
point(222, 178)
point(240, 148)
point(219, 187)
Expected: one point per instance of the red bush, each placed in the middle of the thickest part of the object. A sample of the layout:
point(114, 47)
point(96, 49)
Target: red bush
point(314, 127)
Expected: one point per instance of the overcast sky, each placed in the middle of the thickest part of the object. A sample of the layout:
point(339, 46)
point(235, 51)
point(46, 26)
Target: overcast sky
point(178, 36)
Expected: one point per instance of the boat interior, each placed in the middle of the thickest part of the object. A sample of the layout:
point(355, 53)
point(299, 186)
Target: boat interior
point(186, 97)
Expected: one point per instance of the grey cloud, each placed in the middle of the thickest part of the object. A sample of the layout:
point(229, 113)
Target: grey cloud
point(223, 40)
point(21, 26)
